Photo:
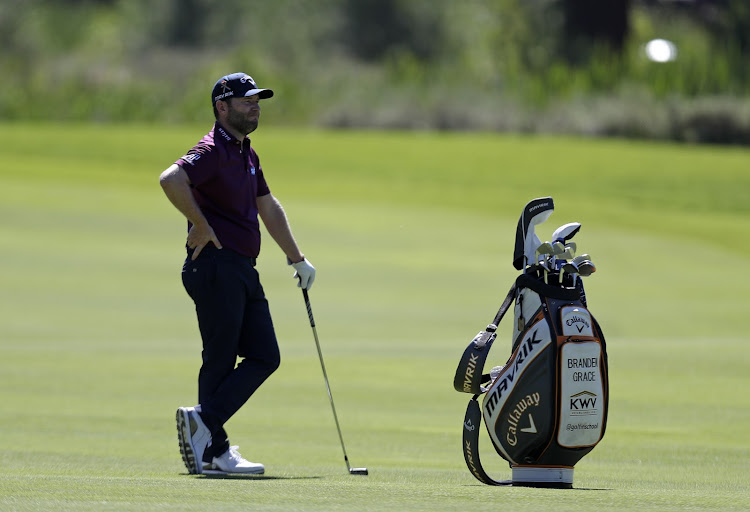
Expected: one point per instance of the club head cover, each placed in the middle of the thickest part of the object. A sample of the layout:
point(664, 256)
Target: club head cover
point(534, 213)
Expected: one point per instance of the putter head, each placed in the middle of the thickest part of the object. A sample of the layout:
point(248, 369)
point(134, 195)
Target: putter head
point(358, 471)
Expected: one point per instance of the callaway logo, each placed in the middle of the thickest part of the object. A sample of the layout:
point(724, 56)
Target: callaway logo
point(523, 405)
point(248, 78)
point(468, 425)
point(578, 322)
point(531, 429)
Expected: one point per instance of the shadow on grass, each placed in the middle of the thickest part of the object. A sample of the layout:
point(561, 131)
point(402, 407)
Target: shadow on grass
point(509, 483)
point(235, 476)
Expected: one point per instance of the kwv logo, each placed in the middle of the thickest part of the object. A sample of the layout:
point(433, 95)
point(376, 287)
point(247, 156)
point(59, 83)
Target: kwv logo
point(583, 403)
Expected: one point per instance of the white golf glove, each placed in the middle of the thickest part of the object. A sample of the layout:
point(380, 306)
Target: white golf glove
point(305, 274)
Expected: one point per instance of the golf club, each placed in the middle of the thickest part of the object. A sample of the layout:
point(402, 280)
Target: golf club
point(586, 268)
point(571, 269)
point(566, 232)
point(583, 257)
point(558, 248)
point(572, 246)
point(545, 251)
point(352, 471)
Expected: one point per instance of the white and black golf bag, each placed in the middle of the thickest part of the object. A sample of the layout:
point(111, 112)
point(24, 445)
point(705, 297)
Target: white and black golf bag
point(546, 407)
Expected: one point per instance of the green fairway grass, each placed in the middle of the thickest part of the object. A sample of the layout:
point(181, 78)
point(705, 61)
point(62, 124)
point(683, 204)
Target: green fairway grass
point(412, 235)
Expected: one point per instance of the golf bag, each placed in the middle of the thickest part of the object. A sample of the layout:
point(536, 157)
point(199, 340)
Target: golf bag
point(546, 407)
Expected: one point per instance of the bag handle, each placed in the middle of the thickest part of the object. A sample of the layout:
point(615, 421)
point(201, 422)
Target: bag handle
point(468, 377)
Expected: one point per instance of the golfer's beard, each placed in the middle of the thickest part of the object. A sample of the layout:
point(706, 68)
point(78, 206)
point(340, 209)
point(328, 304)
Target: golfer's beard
point(240, 123)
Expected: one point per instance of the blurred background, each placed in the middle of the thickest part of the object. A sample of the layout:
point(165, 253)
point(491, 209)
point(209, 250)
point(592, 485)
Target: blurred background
point(654, 69)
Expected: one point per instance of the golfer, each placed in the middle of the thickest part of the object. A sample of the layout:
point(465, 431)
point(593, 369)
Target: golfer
point(220, 188)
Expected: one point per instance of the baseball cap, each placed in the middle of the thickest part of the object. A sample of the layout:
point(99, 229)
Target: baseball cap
point(237, 85)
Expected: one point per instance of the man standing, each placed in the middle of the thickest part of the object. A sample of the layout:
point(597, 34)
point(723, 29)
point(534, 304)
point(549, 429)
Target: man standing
point(220, 188)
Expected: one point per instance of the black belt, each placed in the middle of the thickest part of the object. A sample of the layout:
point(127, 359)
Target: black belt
point(224, 253)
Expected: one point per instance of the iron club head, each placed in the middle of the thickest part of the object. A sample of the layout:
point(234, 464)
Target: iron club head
point(572, 246)
point(586, 268)
point(570, 269)
point(583, 257)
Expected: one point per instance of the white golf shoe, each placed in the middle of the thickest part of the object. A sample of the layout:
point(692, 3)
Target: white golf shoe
point(193, 437)
point(232, 462)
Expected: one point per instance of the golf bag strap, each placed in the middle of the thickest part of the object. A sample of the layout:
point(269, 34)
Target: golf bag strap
point(469, 377)
point(505, 305)
point(472, 421)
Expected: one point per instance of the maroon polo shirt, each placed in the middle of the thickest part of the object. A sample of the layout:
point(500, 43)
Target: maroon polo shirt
point(226, 179)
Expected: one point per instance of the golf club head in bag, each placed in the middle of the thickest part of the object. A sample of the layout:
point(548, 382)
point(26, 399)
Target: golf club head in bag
point(534, 213)
point(566, 232)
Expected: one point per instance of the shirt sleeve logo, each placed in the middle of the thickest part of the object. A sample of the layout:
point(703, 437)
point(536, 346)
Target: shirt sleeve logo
point(191, 158)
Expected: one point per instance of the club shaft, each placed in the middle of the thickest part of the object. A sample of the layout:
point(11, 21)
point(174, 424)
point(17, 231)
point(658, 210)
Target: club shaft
point(325, 375)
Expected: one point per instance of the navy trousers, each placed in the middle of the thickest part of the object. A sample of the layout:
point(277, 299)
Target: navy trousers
point(234, 322)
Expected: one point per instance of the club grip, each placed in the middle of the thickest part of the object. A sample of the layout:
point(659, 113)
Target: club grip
point(309, 308)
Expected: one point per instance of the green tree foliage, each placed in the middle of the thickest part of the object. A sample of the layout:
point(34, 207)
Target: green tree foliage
point(522, 65)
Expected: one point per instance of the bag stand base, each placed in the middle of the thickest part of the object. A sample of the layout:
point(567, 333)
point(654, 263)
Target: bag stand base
point(558, 477)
